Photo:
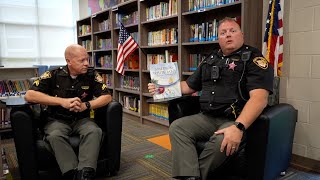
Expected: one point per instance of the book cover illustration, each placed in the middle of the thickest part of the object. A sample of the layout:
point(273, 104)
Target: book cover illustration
point(166, 78)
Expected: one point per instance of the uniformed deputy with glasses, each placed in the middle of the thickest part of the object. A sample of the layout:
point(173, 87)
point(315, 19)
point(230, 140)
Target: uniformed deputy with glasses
point(235, 81)
point(68, 91)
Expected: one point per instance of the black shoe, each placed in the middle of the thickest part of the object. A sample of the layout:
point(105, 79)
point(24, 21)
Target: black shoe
point(86, 173)
point(69, 175)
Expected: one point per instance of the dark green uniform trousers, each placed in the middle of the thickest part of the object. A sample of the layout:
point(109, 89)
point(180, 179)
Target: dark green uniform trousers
point(57, 134)
point(184, 133)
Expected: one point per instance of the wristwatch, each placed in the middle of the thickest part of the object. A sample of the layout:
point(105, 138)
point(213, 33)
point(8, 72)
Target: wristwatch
point(88, 105)
point(240, 126)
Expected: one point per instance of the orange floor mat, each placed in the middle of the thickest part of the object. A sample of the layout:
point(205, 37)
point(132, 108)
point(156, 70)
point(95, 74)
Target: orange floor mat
point(163, 141)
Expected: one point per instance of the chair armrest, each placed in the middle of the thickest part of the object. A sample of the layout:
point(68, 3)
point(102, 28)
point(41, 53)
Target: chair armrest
point(273, 131)
point(109, 118)
point(23, 126)
point(183, 106)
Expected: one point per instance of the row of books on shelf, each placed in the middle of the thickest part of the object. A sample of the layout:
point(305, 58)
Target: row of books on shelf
point(104, 61)
point(4, 116)
point(207, 31)
point(111, 3)
point(132, 61)
point(195, 5)
point(159, 111)
point(87, 44)
point(130, 82)
point(127, 19)
point(163, 37)
point(130, 102)
point(104, 25)
point(135, 36)
point(103, 44)
point(84, 30)
point(162, 10)
point(13, 87)
point(107, 79)
point(91, 63)
point(195, 60)
point(161, 58)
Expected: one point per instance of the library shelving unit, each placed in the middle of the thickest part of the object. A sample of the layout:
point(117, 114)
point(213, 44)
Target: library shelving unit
point(84, 32)
point(162, 29)
point(128, 86)
point(13, 84)
point(102, 52)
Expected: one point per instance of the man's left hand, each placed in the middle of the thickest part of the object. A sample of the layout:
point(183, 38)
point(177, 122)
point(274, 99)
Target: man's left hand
point(232, 139)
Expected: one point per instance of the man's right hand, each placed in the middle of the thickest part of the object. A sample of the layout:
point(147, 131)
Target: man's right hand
point(152, 88)
point(73, 104)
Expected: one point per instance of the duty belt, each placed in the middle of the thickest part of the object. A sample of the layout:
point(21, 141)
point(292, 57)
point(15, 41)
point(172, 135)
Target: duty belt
point(215, 113)
point(69, 117)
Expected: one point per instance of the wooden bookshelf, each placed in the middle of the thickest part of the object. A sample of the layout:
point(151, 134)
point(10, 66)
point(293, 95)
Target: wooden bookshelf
point(249, 12)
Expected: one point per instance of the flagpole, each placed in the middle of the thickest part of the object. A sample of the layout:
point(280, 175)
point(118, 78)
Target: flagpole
point(133, 38)
point(270, 29)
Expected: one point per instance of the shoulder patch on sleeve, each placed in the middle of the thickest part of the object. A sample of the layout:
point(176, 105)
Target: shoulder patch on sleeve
point(104, 87)
point(261, 62)
point(98, 78)
point(45, 75)
point(36, 82)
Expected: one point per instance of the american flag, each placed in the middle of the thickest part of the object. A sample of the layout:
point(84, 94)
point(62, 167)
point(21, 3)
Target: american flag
point(273, 37)
point(126, 46)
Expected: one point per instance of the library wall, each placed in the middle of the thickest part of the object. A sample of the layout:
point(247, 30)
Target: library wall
point(299, 84)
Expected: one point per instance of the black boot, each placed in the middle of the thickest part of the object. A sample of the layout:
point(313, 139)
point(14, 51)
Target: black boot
point(86, 173)
point(70, 175)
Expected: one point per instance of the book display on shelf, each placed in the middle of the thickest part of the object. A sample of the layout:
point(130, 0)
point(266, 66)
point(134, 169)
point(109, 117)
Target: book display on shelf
point(14, 82)
point(184, 32)
point(166, 78)
point(159, 111)
point(13, 87)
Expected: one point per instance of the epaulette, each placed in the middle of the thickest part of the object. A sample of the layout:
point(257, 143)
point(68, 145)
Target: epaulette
point(60, 70)
point(245, 56)
point(209, 59)
point(56, 68)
